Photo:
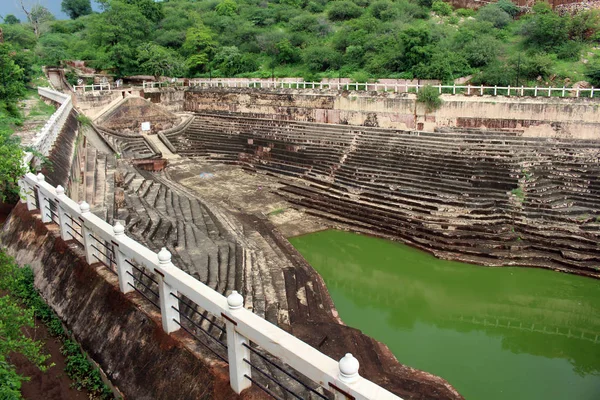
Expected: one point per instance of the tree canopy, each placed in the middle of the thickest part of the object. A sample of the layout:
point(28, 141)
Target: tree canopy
point(76, 8)
point(362, 38)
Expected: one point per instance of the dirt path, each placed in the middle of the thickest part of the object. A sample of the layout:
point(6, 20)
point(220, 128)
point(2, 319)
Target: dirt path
point(54, 384)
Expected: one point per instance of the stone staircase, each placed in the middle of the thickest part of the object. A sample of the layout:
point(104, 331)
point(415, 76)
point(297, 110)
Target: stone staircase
point(481, 197)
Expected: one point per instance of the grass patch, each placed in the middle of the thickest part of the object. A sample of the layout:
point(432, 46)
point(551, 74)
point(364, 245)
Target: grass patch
point(518, 193)
point(277, 211)
point(19, 282)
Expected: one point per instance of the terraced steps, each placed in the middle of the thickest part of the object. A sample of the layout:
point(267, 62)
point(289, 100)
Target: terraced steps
point(466, 192)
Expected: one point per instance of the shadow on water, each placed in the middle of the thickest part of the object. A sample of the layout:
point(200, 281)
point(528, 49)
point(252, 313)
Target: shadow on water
point(493, 333)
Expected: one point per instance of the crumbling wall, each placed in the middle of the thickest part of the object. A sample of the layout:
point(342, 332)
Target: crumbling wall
point(576, 118)
point(170, 98)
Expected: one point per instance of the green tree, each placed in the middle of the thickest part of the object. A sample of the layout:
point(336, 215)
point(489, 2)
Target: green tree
point(11, 75)
point(494, 14)
point(227, 8)
point(321, 58)
point(160, 61)
point(20, 35)
point(545, 30)
point(230, 61)
point(508, 7)
point(11, 20)
point(592, 71)
point(150, 9)
point(76, 8)
point(481, 51)
point(343, 10)
point(441, 8)
point(199, 47)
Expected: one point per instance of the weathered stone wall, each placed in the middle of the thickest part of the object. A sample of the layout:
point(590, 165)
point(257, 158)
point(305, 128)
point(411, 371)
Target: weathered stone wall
point(170, 98)
point(127, 116)
point(533, 117)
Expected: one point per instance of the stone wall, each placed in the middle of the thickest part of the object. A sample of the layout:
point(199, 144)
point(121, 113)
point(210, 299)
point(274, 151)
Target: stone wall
point(170, 98)
point(576, 118)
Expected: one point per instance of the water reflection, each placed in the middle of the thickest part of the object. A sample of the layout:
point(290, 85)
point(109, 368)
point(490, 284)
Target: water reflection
point(492, 332)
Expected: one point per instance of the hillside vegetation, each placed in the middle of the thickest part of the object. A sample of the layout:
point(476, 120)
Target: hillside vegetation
point(361, 39)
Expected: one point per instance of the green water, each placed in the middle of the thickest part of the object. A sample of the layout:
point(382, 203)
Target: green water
point(493, 333)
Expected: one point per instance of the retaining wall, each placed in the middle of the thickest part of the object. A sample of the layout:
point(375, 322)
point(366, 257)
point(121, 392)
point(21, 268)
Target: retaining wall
point(576, 118)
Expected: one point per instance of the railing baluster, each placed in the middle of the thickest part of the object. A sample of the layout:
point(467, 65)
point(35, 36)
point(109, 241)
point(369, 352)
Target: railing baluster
point(170, 315)
point(237, 349)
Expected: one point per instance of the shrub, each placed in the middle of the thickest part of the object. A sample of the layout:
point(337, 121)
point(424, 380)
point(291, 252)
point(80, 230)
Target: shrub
point(343, 10)
point(508, 7)
point(481, 51)
point(545, 30)
point(494, 14)
point(227, 7)
point(534, 65)
point(592, 71)
point(569, 50)
point(494, 74)
point(465, 12)
point(441, 8)
point(383, 10)
point(430, 97)
point(319, 59)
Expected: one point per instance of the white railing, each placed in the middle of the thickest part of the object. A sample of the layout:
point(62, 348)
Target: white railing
point(99, 240)
point(45, 138)
point(470, 90)
point(99, 87)
point(150, 85)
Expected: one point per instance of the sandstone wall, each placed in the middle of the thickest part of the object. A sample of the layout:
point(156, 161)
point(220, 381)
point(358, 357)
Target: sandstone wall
point(533, 117)
point(170, 98)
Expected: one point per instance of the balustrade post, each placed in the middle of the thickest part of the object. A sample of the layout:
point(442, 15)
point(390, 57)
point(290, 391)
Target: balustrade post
point(348, 373)
point(124, 269)
point(88, 240)
point(236, 348)
point(43, 202)
point(168, 303)
point(63, 219)
point(27, 191)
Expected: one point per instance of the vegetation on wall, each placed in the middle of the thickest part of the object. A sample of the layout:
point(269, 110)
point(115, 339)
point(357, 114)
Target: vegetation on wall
point(318, 38)
point(18, 308)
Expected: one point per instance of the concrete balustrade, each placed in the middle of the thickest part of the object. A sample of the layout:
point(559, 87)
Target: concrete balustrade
point(345, 84)
point(243, 326)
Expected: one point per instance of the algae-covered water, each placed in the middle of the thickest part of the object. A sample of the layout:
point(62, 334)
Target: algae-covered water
point(493, 333)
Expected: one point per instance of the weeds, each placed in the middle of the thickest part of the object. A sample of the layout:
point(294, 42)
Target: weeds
point(19, 281)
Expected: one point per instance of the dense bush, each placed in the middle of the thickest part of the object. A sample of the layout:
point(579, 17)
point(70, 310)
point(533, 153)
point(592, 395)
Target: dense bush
point(495, 15)
point(343, 10)
point(441, 8)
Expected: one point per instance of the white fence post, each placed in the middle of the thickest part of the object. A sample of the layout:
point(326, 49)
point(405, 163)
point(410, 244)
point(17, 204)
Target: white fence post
point(124, 269)
point(348, 373)
point(62, 214)
point(236, 348)
point(87, 236)
point(43, 202)
point(29, 195)
point(168, 302)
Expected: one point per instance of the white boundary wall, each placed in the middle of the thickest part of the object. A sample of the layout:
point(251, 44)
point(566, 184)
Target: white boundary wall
point(387, 85)
point(243, 326)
